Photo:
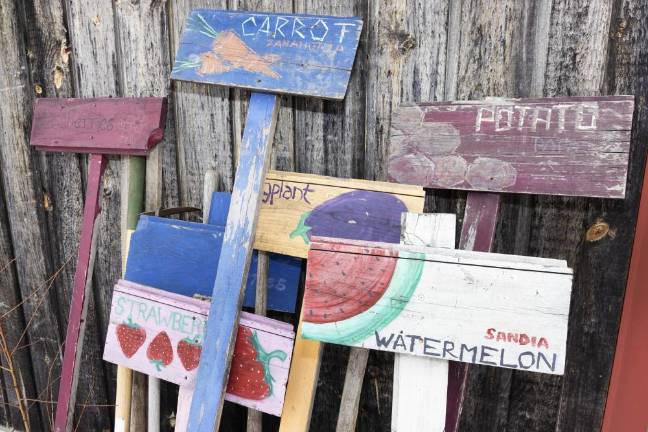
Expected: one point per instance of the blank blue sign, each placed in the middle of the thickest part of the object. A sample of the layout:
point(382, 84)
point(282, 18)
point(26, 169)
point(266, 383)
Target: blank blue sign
point(182, 257)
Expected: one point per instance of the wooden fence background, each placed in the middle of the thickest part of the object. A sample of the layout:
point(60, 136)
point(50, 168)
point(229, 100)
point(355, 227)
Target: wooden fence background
point(411, 50)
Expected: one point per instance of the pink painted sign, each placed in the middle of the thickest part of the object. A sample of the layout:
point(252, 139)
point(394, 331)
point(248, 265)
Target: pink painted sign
point(162, 334)
point(576, 146)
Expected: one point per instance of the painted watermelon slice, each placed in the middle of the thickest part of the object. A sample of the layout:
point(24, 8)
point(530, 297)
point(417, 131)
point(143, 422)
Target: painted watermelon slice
point(327, 285)
point(344, 287)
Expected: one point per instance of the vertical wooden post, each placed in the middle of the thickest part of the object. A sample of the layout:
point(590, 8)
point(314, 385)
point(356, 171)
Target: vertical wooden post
point(78, 308)
point(133, 189)
point(419, 395)
point(235, 256)
point(254, 417)
point(477, 233)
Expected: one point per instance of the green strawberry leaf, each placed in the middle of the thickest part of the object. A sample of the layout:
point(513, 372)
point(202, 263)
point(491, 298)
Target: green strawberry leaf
point(264, 358)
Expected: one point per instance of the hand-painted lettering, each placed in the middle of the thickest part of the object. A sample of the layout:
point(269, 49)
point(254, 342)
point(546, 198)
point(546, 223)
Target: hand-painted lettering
point(492, 355)
point(576, 116)
point(287, 191)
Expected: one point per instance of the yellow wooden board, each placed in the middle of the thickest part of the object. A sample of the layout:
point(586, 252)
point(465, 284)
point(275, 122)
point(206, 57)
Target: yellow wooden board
point(296, 206)
point(302, 382)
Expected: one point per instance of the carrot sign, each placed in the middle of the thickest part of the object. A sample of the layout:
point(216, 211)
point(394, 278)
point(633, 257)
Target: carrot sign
point(261, 51)
point(305, 55)
point(162, 334)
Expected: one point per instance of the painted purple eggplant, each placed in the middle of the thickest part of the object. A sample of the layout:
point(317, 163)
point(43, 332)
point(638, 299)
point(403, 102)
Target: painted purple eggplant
point(357, 215)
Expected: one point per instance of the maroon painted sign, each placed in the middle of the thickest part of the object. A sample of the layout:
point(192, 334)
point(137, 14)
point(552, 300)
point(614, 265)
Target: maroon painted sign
point(575, 146)
point(129, 126)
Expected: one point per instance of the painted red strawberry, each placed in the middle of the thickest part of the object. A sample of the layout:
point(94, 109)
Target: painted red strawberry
point(160, 351)
point(250, 376)
point(189, 352)
point(130, 337)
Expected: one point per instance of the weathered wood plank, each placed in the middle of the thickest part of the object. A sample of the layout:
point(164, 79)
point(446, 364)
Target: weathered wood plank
point(477, 233)
point(24, 209)
point(96, 74)
point(298, 206)
point(626, 397)
point(364, 294)
point(236, 254)
point(202, 121)
point(385, 60)
point(419, 401)
point(559, 146)
point(74, 337)
point(130, 126)
point(45, 37)
point(282, 53)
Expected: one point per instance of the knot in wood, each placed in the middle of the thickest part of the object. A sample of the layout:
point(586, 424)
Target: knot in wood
point(406, 42)
point(597, 231)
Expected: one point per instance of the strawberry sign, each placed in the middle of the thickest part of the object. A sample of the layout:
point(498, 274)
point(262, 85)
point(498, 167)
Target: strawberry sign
point(162, 334)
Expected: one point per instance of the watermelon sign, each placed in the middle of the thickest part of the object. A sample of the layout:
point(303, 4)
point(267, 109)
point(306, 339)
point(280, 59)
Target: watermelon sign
point(472, 307)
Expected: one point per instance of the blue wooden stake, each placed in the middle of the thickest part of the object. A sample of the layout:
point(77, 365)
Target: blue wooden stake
point(235, 256)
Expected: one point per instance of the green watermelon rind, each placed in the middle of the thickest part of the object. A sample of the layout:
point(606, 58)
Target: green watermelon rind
point(354, 330)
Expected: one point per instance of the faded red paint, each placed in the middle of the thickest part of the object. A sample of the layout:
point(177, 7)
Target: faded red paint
point(627, 402)
point(516, 338)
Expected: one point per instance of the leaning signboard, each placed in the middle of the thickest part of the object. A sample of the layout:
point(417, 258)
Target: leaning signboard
point(490, 309)
point(296, 207)
point(283, 53)
point(576, 146)
point(162, 334)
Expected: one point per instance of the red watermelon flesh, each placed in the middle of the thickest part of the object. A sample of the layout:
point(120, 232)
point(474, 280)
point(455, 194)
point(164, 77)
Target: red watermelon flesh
point(344, 288)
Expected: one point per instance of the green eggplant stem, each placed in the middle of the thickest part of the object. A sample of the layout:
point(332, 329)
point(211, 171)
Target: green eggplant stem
point(302, 229)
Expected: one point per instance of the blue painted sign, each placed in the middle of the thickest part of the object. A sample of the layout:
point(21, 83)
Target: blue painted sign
point(298, 54)
point(182, 257)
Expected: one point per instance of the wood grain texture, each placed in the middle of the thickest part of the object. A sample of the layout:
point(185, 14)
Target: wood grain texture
point(98, 125)
point(281, 53)
point(202, 115)
point(95, 74)
point(477, 233)
point(24, 210)
point(420, 385)
point(557, 146)
point(298, 206)
point(236, 254)
point(355, 371)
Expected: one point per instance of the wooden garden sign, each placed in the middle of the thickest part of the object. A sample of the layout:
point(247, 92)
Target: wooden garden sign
point(296, 207)
point(102, 126)
point(182, 257)
point(162, 334)
point(625, 409)
point(572, 146)
point(304, 55)
point(472, 307)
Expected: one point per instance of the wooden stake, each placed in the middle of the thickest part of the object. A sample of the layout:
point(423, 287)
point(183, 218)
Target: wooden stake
point(419, 394)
